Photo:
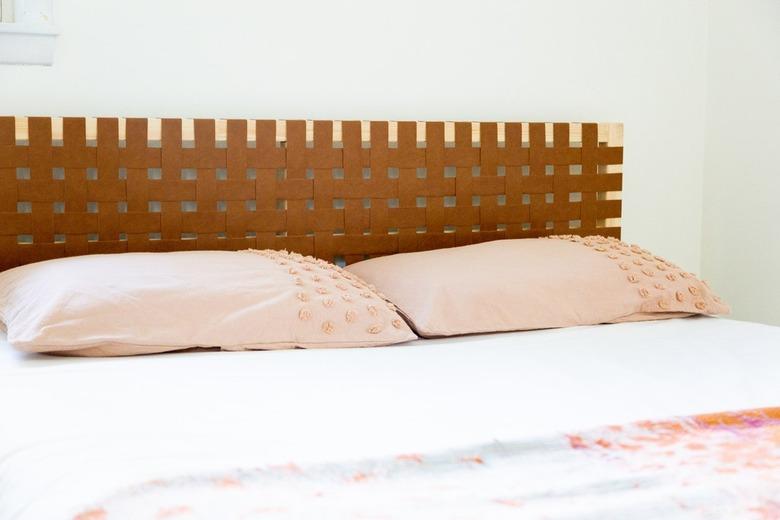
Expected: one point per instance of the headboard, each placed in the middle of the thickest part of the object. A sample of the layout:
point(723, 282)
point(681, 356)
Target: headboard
point(339, 190)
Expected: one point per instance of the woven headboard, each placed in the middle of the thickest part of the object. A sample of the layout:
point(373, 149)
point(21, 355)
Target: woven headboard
point(339, 190)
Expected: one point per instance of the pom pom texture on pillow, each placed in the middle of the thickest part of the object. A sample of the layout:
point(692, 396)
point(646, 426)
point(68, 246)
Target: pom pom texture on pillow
point(136, 303)
point(525, 284)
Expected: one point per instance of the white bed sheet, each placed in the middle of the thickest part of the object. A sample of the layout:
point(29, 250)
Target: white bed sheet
point(75, 430)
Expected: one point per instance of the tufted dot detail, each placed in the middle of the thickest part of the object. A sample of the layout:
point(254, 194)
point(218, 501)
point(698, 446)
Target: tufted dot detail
point(328, 302)
point(321, 290)
point(374, 329)
point(328, 327)
point(346, 297)
point(674, 295)
point(304, 314)
point(372, 310)
point(350, 316)
point(302, 296)
point(397, 323)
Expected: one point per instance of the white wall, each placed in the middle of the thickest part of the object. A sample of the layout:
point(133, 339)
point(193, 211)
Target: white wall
point(642, 63)
point(741, 239)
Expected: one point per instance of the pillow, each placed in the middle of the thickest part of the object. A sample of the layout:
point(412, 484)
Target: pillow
point(535, 283)
point(138, 303)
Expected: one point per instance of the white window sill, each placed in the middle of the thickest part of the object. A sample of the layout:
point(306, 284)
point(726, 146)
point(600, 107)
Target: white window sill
point(27, 44)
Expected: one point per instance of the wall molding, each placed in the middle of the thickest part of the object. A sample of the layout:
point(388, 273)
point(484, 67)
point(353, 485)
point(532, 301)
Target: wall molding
point(30, 37)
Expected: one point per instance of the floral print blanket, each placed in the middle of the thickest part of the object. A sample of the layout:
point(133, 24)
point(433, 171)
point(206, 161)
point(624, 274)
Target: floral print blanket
point(720, 466)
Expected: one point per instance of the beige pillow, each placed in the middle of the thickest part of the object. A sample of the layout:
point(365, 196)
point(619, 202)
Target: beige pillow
point(534, 284)
point(139, 303)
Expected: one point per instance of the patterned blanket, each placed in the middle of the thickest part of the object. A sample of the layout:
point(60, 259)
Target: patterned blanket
point(708, 466)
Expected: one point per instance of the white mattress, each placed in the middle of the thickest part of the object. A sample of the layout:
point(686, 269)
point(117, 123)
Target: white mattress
point(75, 430)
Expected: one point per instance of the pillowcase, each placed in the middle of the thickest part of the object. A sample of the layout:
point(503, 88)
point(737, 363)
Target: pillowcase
point(139, 303)
point(540, 283)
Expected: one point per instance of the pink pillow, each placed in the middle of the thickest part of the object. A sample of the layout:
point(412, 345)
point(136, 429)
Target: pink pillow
point(534, 284)
point(138, 303)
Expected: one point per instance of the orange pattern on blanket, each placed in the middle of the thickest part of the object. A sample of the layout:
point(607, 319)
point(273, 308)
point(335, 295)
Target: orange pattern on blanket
point(744, 419)
point(725, 443)
point(92, 514)
point(719, 466)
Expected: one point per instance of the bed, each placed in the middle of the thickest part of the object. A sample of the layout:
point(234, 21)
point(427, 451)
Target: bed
point(77, 431)
point(654, 419)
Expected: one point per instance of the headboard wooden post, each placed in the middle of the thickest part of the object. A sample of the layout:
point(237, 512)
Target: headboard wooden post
point(340, 190)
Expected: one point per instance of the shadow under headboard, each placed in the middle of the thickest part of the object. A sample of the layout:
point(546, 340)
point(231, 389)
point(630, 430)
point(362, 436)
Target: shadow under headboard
point(339, 190)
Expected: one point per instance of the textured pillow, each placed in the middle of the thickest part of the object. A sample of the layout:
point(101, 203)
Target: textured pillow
point(535, 283)
point(138, 303)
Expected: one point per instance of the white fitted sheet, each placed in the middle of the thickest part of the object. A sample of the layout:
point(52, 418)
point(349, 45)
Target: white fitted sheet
point(75, 430)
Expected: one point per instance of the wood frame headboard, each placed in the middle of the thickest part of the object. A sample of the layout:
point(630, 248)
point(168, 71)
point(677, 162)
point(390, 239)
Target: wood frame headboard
point(339, 190)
